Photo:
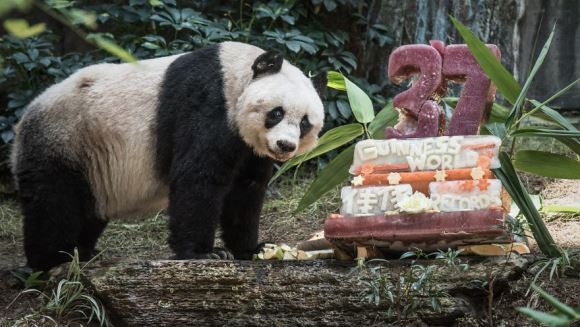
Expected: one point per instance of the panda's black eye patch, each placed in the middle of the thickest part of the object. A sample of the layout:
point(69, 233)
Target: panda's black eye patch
point(274, 116)
point(305, 126)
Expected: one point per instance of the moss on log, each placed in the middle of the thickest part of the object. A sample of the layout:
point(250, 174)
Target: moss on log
point(272, 293)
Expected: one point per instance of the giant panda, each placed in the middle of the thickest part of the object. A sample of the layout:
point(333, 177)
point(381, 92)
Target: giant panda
point(195, 133)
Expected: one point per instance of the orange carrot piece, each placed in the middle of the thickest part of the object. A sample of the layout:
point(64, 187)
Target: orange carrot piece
point(478, 146)
point(420, 180)
point(380, 168)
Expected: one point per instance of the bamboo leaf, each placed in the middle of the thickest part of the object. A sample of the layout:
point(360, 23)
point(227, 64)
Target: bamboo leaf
point(572, 143)
point(331, 140)
point(497, 129)
point(544, 318)
point(547, 164)
point(498, 113)
point(503, 79)
point(21, 29)
point(560, 208)
point(112, 48)
point(516, 110)
point(388, 116)
point(561, 307)
point(554, 116)
point(360, 103)
point(512, 183)
point(335, 173)
point(545, 132)
point(8, 5)
point(335, 81)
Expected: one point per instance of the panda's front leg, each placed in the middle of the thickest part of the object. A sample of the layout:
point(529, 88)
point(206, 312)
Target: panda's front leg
point(197, 193)
point(243, 205)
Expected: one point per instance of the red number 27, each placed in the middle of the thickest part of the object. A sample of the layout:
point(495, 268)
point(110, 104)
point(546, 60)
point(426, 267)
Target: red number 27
point(433, 66)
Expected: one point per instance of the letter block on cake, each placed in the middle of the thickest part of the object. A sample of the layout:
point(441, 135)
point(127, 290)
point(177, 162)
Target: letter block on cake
point(424, 187)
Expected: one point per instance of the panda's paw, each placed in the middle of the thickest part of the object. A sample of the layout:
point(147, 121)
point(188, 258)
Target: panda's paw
point(220, 253)
point(215, 254)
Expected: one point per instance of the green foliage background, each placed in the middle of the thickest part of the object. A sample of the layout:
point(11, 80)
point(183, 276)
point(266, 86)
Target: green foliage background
point(316, 35)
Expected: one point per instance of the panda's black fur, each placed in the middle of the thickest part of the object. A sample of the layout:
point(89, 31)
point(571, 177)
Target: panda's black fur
point(226, 187)
point(214, 177)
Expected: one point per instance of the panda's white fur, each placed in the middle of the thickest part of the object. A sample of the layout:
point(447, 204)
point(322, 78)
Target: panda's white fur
point(249, 101)
point(103, 115)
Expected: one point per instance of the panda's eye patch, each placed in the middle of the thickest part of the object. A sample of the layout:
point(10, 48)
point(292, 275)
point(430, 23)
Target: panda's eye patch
point(274, 116)
point(305, 126)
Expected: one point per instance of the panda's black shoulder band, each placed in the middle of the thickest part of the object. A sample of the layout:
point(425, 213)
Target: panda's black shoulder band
point(319, 81)
point(269, 62)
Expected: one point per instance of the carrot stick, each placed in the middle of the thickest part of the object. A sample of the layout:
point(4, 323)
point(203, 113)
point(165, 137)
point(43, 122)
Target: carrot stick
point(420, 180)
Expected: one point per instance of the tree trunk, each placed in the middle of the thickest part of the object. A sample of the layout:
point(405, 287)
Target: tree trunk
point(273, 293)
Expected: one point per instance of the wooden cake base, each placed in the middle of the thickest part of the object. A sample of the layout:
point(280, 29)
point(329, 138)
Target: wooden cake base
point(427, 231)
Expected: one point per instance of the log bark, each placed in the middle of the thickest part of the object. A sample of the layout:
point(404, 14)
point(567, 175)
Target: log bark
point(275, 293)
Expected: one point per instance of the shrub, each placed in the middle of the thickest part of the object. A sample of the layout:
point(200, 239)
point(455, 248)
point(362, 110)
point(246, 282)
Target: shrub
point(307, 32)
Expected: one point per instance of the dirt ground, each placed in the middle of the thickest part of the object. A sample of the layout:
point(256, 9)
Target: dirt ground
point(146, 239)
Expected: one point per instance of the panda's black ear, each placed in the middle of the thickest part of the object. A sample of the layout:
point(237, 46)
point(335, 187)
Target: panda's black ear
point(320, 81)
point(269, 62)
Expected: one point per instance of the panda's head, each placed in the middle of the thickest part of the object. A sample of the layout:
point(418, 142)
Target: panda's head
point(279, 114)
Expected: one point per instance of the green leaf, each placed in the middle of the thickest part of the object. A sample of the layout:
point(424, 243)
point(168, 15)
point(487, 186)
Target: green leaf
point(497, 129)
point(516, 110)
point(388, 116)
point(545, 132)
point(335, 81)
point(498, 113)
point(544, 318)
point(561, 307)
point(547, 164)
point(573, 144)
point(334, 174)
point(112, 48)
point(83, 17)
point(331, 140)
point(512, 183)
point(560, 208)
point(7, 5)
point(360, 103)
point(554, 116)
point(503, 80)
point(21, 29)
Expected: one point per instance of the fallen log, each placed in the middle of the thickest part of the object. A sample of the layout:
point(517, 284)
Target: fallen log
point(275, 293)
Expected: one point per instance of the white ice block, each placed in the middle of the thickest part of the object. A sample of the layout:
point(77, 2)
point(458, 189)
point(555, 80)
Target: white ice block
point(466, 195)
point(372, 200)
point(430, 153)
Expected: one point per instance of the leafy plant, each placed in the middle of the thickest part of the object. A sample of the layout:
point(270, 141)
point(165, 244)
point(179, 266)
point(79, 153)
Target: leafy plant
point(304, 31)
point(33, 280)
point(70, 299)
point(562, 315)
point(516, 95)
point(406, 290)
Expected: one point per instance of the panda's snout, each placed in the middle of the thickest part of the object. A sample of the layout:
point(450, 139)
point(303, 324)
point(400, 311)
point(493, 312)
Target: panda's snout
point(285, 146)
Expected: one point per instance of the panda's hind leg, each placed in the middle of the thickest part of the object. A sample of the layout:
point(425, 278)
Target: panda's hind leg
point(92, 227)
point(58, 208)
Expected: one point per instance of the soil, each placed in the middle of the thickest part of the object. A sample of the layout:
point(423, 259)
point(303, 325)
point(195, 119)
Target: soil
point(147, 239)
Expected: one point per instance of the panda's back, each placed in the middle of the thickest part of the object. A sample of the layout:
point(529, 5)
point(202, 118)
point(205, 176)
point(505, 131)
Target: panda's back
point(103, 117)
point(116, 121)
